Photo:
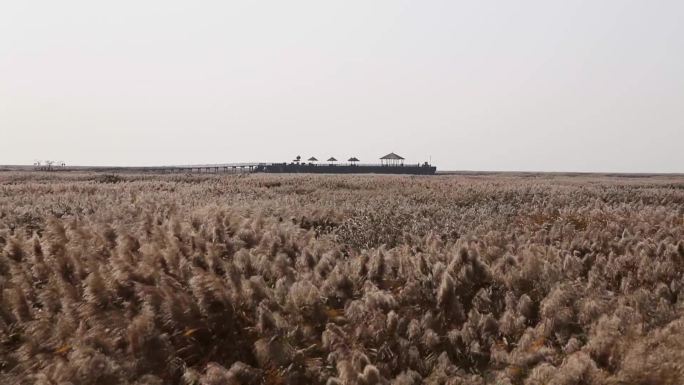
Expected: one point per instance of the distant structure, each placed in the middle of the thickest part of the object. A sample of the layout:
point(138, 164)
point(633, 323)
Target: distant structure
point(389, 164)
point(48, 165)
point(392, 159)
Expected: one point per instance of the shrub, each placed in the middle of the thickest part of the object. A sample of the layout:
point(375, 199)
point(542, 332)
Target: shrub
point(349, 280)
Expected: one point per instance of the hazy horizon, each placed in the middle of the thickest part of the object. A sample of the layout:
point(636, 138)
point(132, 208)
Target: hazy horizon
point(494, 86)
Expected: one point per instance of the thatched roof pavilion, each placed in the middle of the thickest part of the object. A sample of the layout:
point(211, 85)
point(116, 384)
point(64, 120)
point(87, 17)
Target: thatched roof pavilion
point(392, 159)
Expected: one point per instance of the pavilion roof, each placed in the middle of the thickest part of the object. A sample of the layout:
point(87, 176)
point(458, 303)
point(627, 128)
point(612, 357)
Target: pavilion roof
point(392, 156)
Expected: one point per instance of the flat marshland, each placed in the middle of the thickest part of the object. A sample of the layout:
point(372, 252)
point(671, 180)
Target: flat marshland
point(297, 279)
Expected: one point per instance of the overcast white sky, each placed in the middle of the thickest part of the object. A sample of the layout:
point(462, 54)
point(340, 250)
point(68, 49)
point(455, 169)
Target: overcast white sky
point(480, 85)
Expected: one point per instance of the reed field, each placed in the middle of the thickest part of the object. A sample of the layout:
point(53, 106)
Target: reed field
point(298, 279)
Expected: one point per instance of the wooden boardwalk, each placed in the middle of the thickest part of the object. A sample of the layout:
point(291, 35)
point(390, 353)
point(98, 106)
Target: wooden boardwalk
point(232, 168)
point(248, 168)
point(225, 168)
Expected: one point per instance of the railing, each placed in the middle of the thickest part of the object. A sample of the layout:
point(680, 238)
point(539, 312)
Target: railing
point(255, 164)
point(346, 164)
point(239, 167)
point(219, 165)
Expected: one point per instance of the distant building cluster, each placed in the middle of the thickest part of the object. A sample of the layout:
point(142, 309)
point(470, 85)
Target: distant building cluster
point(48, 165)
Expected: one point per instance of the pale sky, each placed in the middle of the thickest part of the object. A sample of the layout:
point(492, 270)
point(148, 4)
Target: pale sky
point(569, 85)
